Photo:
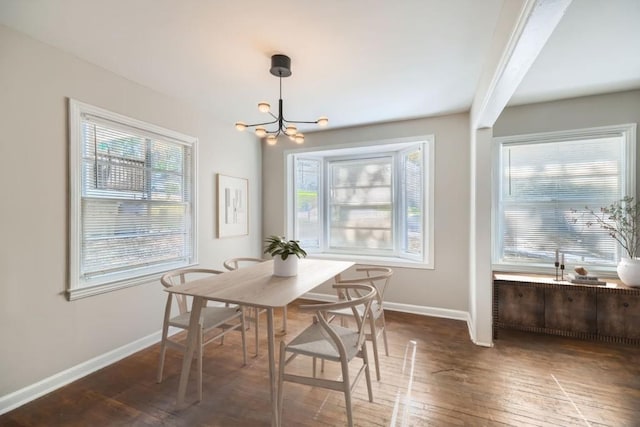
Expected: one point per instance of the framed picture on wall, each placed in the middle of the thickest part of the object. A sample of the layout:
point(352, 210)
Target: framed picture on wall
point(233, 210)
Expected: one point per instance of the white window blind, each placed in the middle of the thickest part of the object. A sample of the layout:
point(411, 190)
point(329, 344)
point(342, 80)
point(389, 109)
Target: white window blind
point(361, 204)
point(307, 201)
point(369, 202)
point(133, 205)
point(545, 184)
point(413, 201)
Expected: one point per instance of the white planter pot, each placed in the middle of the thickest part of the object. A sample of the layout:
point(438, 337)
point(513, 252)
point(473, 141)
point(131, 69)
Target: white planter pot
point(629, 271)
point(286, 268)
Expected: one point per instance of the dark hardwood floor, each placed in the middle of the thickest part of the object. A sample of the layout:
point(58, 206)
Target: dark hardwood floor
point(524, 380)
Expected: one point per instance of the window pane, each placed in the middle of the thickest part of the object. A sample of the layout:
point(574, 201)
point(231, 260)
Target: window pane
point(308, 225)
point(542, 187)
point(413, 205)
point(362, 201)
point(361, 204)
point(135, 208)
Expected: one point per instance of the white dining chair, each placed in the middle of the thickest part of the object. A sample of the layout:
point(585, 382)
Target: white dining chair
point(379, 278)
point(331, 342)
point(223, 319)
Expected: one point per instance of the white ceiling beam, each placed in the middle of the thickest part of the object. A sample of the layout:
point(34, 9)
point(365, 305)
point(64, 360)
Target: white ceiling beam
point(522, 30)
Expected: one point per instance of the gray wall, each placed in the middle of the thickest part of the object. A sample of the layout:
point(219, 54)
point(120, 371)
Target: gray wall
point(43, 333)
point(444, 287)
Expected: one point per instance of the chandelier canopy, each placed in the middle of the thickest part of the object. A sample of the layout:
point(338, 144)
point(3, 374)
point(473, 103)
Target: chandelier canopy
point(280, 67)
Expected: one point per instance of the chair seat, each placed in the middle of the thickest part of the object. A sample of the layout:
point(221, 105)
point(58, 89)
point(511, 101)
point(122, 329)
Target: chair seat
point(315, 342)
point(210, 317)
point(375, 311)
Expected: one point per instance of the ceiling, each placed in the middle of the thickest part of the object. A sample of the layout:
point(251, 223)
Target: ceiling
point(357, 62)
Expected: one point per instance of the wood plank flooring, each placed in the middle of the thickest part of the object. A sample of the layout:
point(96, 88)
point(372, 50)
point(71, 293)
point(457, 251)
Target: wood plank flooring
point(524, 380)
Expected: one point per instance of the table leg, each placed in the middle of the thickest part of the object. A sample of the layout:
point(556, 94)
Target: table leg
point(283, 331)
point(284, 319)
point(192, 340)
point(272, 366)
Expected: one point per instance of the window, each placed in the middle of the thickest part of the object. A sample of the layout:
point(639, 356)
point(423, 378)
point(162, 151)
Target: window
point(372, 202)
point(132, 212)
point(543, 184)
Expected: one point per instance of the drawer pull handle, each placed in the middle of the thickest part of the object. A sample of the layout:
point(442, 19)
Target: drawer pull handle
point(625, 305)
point(570, 299)
point(520, 294)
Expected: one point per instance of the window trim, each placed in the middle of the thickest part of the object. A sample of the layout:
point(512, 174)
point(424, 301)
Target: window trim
point(627, 131)
point(75, 287)
point(375, 148)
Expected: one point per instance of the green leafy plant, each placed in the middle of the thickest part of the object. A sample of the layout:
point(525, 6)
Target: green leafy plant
point(622, 221)
point(280, 246)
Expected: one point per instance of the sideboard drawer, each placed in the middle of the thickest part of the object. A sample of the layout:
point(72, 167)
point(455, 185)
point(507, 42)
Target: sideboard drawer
point(572, 309)
point(619, 315)
point(521, 306)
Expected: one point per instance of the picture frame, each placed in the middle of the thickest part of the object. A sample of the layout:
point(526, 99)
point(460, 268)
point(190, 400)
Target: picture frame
point(233, 206)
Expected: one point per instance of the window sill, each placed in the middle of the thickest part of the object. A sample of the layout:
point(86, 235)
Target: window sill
point(601, 271)
point(373, 260)
point(74, 293)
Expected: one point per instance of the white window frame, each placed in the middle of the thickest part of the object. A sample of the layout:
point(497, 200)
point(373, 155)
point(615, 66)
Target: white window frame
point(628, 188)
point(77, 286)
point(367, 149)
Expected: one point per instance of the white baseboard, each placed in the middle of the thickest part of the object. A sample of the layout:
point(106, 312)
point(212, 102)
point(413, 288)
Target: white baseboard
point(404, 308)
point(47, 385)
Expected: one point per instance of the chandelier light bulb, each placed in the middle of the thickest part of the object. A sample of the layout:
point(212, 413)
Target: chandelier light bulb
point(299, 138)
point(322, 121)
point(260, 132)
point(241, 126)
point(264, 107)
point(271, 140)
point(291, 130)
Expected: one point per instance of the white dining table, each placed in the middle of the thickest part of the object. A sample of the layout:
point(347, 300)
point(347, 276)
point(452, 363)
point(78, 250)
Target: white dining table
point(253, 286)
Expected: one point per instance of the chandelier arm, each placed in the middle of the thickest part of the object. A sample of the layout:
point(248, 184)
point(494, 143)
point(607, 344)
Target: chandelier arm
point(265, 123)
point(297, 121)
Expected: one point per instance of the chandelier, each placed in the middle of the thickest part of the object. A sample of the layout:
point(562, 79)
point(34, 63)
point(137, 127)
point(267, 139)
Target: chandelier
point(280, 67)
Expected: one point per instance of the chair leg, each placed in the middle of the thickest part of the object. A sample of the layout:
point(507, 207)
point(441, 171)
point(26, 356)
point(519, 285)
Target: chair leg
point(374, 341)
point(165, 334)
point(367, 372)
point(243, 332)
point(256, 321)
point(281, 381)
point(200, 341)
point(346, 383)
point(384, 335)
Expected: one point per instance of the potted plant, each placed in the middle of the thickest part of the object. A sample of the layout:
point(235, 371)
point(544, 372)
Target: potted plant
point(622, 221)
point(280, 249)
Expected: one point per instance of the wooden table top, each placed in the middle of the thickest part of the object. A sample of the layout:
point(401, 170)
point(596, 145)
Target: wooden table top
point(257, 286)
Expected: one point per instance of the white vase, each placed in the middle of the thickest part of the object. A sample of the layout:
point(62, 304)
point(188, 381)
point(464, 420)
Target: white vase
point(629, 271)
point(286, 268)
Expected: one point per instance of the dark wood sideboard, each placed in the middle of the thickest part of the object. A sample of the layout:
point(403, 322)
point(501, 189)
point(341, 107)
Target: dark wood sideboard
point(540, 304)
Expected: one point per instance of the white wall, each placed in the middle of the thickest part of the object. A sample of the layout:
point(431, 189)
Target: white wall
point(43, 333)
point(446, 286)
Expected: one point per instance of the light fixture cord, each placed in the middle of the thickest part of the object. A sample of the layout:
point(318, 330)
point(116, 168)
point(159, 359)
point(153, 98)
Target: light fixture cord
point(280, 113)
